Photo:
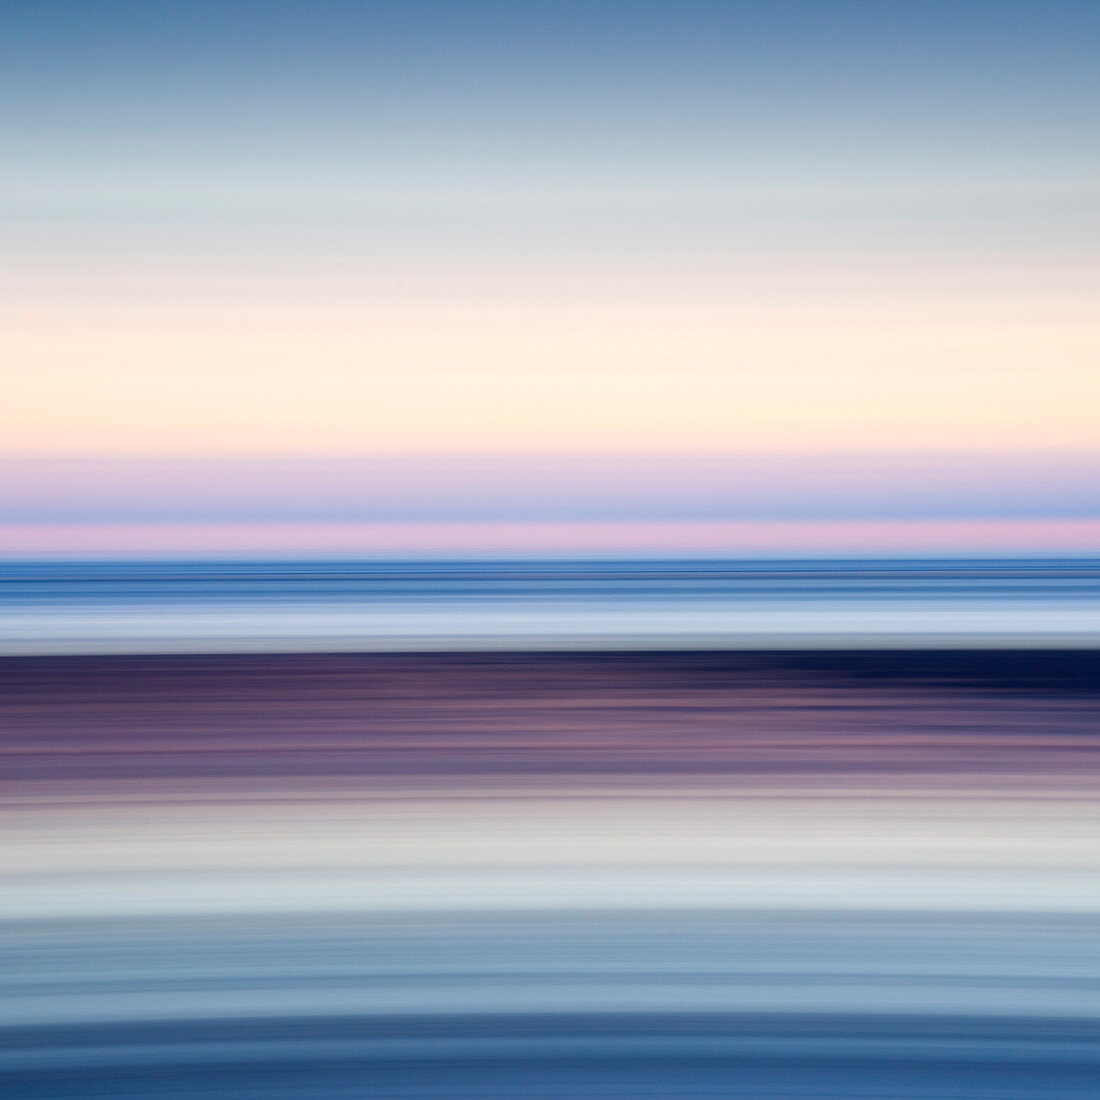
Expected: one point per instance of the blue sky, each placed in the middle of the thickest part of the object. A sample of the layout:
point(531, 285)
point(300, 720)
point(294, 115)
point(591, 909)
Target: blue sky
point(597, 235)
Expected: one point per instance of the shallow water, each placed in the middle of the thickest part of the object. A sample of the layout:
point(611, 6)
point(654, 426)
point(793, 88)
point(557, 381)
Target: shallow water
point(787, 873)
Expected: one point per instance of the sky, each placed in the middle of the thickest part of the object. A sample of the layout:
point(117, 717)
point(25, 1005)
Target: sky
point(717, 275)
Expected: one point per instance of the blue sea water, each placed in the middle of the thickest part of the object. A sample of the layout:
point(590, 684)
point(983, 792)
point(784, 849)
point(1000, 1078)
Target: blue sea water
point(226, 606)
point(603, 875)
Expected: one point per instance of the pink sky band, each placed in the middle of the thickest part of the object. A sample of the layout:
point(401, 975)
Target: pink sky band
point(712, 538)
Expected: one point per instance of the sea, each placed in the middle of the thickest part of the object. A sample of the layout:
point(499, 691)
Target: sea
point(322, 605)
point(596, 830)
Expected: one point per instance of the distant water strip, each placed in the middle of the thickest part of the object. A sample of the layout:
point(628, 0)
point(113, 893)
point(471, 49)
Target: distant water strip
point(292, 606)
